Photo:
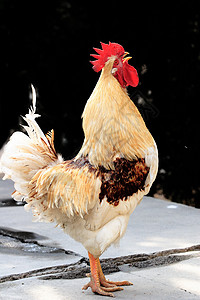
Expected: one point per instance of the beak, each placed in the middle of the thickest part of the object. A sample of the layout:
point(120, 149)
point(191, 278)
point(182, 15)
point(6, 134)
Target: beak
point(126, 58)
point(125, 53)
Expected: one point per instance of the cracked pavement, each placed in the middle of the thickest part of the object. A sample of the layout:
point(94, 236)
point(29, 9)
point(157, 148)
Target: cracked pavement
point(160, 254)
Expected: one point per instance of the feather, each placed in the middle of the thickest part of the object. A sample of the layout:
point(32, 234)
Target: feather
point(33, 108)
point(24, 155)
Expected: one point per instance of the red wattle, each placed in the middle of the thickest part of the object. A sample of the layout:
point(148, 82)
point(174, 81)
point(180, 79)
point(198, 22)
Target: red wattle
point(119, 76)
point(130, 75)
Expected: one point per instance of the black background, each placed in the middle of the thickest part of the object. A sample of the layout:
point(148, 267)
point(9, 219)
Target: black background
point(48, 43)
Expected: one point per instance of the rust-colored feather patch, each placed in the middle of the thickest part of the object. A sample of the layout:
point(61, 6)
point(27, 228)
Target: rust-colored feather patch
point(125, 180)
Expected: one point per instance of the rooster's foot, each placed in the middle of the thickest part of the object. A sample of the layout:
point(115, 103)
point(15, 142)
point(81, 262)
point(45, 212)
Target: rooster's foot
point(96, 288)
point(106, 285)
point(98, 282)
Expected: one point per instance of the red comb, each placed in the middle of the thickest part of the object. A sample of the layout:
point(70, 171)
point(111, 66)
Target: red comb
point(107, 51)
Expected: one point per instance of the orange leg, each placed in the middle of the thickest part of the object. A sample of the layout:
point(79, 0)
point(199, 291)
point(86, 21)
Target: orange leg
point(98, 282)
point(107, 283)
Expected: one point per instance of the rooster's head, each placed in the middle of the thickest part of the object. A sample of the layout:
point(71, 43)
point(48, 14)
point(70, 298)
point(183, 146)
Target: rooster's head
point(121, 70)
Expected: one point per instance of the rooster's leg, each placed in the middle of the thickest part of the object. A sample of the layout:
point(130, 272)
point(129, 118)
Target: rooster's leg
point(108, 283)
point(95, 282)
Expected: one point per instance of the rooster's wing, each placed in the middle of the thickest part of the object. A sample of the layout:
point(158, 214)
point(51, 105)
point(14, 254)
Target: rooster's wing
point(72, 187)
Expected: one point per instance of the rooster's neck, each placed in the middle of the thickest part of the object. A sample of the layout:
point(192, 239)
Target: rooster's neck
point(112, 124)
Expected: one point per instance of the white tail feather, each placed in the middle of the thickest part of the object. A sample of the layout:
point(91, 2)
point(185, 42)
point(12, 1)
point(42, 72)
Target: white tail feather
point(33, 129)
point(33, 108)
point(24, 155)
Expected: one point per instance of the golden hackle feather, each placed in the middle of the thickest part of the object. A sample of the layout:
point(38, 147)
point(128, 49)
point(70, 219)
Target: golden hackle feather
point(119, 129)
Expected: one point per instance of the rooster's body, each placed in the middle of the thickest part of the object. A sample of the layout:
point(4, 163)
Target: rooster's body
point(93, 195)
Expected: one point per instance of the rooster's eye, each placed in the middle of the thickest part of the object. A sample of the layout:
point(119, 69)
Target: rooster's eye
point(116, 63)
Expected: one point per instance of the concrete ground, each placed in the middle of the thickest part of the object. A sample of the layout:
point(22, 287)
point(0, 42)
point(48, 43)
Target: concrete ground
point(33, 249)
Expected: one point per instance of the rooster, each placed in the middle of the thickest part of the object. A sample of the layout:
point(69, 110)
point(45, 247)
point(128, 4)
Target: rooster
point(92, 196)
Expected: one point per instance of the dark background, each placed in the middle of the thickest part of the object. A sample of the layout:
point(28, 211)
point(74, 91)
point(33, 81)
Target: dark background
point(48, 44)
